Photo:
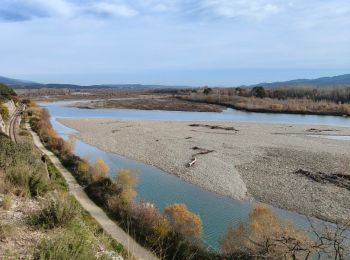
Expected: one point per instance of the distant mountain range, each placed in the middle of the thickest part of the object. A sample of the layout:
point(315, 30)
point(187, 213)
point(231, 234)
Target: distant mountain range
point(342, 80)
point(18, 83)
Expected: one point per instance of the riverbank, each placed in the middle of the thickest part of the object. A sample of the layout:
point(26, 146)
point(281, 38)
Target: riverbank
point(39, 219)
point(150, 102)
point(240, 160)
point(273, 105)
point(96, 212)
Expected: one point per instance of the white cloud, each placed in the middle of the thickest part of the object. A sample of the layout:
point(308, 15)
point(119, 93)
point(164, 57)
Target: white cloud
point(29, 9)
point(310, 11)
point(52, 7)
point(114, 9)
point(186, 35)
point(243, 8)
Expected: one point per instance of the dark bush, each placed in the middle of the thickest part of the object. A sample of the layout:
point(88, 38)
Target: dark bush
point(258, 92)
point(101, 190)
point(207, 91)
point(6, 92)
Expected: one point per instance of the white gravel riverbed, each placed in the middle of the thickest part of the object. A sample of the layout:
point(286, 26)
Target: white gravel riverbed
point(257, 161)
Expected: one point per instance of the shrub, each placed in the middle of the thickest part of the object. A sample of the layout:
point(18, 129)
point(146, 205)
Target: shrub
point(6, 202)
point(99, 170)
point(76, 242)
point(4, 112)
point(22, 168)
point(23, 133)
point(57, 210)
point(3, 186)
point(80, 168)
point(207, 91)
point(6, 92)
point(265, 236)
point(127, 180)
point(102, 189)
point(184, 221)
point(5, 230)
point(152, 226)
point(258, 92)
point(57, 180)
point(26, 180)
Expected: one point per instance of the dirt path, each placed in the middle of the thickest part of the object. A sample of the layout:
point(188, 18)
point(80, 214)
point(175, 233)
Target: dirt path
point(14, 123)
point(96, 212)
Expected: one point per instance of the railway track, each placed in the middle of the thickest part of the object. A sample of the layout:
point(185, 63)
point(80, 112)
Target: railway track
point(14, 123)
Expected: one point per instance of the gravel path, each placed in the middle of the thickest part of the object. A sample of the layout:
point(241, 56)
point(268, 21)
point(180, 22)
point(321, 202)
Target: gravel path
point(96, 212)
point(244, 161)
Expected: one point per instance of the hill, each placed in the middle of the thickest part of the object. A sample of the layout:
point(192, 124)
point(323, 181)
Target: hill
point(16, 82)
point(341, 80)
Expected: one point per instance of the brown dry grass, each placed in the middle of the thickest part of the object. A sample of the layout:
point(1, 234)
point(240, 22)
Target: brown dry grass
point(6, 202)
point(290, 105)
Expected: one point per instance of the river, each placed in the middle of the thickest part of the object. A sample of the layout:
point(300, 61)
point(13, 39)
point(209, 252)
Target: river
point(156, 186)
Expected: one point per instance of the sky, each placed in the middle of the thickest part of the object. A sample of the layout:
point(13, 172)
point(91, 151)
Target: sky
point(173, 42)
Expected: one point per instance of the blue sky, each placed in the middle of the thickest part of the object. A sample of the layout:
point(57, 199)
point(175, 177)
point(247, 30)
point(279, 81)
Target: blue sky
point(202, 42)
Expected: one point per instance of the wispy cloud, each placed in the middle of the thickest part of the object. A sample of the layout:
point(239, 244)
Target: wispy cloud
point(112, 9)
point(243, 8)
point(109, 36)
point(225, 9)
point(22, 10)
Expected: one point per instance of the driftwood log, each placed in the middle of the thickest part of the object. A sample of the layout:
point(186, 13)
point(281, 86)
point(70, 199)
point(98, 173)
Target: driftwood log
point(193, 161)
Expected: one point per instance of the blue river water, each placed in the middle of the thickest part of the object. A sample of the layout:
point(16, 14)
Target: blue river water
point(156, 186)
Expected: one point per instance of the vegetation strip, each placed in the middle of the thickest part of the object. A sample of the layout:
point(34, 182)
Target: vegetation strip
point(292, 100)
point(96, 212)
point(38, 218)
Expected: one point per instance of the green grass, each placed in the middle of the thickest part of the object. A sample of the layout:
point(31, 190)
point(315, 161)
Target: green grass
point(101, 234)
point(70, 231)
point(57, 210)
point(21, 169)
point(75, 235)
point(5, 230)
point(73, 242)
point(56, 177)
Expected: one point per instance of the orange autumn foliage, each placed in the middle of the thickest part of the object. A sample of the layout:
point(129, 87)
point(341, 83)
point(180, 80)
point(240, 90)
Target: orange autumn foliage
point(127, 180)
point(99, 170)
point(183, 221)
point(265, 235)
